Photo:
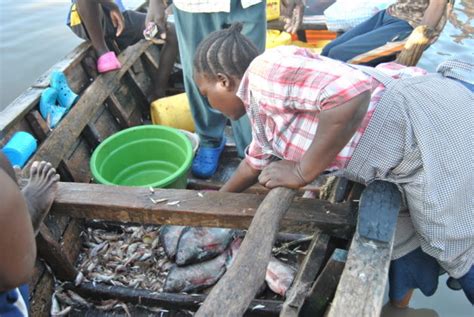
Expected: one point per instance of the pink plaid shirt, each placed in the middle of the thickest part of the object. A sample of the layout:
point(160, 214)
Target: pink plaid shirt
point(289, 87)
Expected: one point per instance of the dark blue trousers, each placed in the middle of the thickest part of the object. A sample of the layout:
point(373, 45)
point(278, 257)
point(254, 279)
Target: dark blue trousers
point(374, 32)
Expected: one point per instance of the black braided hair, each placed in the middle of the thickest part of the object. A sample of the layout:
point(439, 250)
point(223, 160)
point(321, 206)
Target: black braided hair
point(225, 51)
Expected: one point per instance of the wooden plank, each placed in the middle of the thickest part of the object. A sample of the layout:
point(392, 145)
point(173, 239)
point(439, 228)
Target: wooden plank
point(213, 209)
point(38, 125)
point(92, 136)
point(307, 273)
point(70, 61)
point(258, 307)
point(40, 303)
point(325, 286)
point(361, 289)
point(64, 136)
point(50, 250)
point(247, 272)
point(18, 108)
point(116, 109)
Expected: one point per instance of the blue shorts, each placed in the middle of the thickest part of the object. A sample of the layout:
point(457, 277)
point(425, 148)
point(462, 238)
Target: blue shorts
point(14, 303)
point(416, 270)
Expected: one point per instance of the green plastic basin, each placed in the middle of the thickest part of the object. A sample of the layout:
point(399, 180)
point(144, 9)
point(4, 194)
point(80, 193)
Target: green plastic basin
point(150, 155)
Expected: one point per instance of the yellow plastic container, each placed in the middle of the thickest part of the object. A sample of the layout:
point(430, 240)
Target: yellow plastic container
point(173, 111)
point(273, 9)
point(277, 38)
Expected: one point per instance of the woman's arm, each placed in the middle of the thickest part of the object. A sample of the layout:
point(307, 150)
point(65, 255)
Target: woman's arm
point(244, 177)
point(335, 129)
point(433, 13)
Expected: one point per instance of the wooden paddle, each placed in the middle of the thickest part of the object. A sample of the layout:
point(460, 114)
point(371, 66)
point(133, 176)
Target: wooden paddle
point(236, 289)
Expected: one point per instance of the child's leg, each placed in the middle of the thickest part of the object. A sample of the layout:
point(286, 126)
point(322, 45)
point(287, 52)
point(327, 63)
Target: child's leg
point(362, 28)
point(168, 54)
point(354, 44)
point(414, 270)
point(91, 16)
point(467, 283)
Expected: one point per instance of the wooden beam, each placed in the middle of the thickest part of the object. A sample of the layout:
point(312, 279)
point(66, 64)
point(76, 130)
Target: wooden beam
point(307, 273)
point(65, 135)
point(213, 209)
point(52, 252)
point(92, 136)
point(258, 307)
point(362, 286)
point(325, 286)
point(247, 272)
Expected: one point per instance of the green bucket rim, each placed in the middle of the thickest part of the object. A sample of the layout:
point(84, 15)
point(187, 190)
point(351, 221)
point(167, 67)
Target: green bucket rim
point(160, 184)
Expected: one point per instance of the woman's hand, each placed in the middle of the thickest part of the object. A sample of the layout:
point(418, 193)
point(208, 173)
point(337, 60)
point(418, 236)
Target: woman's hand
point(294, 14)
point(156, 14)
point(282, 173)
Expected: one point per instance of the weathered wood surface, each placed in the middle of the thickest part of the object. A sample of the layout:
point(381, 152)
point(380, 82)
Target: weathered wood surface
point(307, 273)
point(415, 45)
point(325, 286)
point(213, 209)
point(29, 99)
point(257, 307)
point(235, 290)
point(52, 252)
point(362, 285)
point(64, 136)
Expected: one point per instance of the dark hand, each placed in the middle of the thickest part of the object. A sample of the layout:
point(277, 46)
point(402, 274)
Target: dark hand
point(156, 14)
point(294, 14)
point(116, 17)
point(282, 173)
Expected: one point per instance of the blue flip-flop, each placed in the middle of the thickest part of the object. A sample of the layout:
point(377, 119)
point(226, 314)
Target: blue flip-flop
point(206, 161)
point(50, 111)
point(66, 96)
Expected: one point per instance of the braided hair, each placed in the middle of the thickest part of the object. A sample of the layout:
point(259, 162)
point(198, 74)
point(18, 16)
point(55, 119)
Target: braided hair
point(225, 51)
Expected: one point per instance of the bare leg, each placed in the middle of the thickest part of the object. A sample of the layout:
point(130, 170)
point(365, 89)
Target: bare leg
point(89, 10)
point(404, 302)
point(40, 191)
point(168, 55)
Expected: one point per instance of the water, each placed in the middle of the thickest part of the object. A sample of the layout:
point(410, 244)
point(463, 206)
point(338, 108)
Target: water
point(33, 36)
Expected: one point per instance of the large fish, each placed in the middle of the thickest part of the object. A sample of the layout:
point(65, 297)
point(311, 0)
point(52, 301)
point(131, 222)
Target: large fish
point(169, 237)
point(201, 275)
point(199, 244)
point(279, 276)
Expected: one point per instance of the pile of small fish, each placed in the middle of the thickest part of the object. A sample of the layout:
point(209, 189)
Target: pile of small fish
point(132, 258)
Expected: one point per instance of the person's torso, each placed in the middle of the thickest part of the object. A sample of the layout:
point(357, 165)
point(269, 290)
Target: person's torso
point(290, 132)
point(413, 11)
point(73, 17)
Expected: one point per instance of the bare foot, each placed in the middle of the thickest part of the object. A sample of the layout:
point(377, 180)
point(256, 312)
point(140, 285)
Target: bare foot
point(40, 191)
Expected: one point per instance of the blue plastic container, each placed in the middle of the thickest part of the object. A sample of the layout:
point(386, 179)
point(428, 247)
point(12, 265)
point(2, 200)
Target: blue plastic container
point(20, 148)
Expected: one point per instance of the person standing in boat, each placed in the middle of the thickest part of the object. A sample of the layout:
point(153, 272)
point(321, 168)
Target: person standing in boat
point(393, 24)
point(21, 214)
point(194, 20)
point(311, 114)
point(98, 20)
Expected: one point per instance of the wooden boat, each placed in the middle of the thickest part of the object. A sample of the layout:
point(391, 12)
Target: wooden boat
point(350, 275)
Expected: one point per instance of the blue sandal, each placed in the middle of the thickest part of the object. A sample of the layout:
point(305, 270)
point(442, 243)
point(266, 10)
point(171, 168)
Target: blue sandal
point(66, 96)
point(50, 111)
point(207, 160)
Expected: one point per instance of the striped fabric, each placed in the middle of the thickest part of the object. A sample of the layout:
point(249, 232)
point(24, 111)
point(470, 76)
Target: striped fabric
point(203, 6)
point(284, 91)
point(421, 138)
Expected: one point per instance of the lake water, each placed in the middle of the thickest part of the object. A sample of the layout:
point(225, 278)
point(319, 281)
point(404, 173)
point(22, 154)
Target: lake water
point(33, 36)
